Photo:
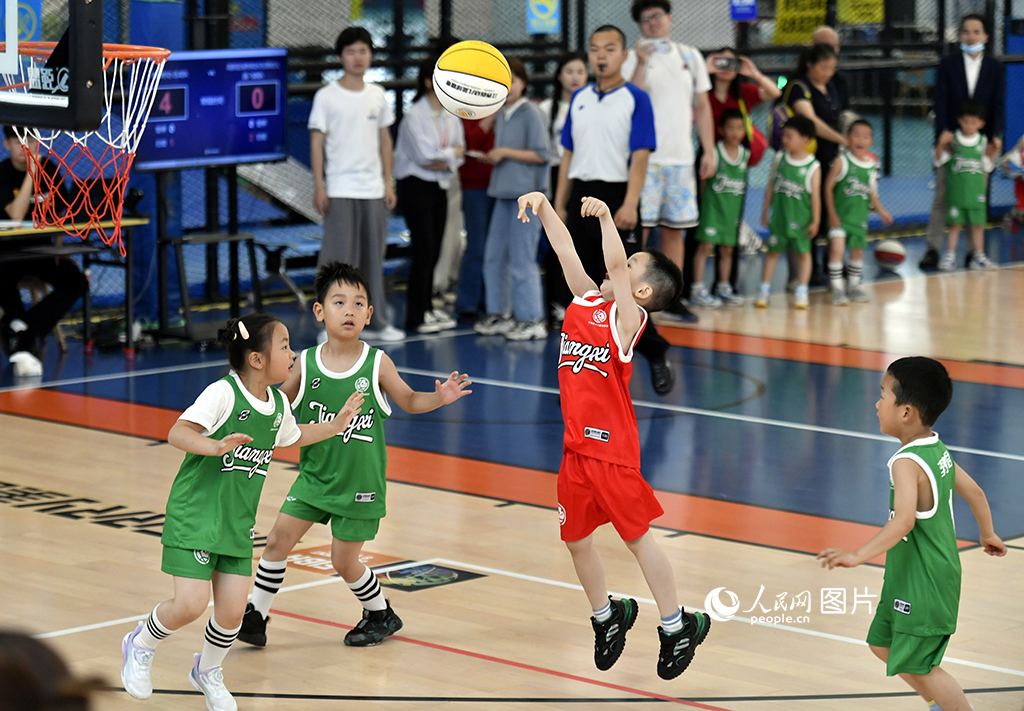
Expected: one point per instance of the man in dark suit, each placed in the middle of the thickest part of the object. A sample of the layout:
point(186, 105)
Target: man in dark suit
point(967, 74)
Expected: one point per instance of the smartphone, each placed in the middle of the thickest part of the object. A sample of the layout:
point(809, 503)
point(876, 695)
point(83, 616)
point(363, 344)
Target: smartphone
point(661, 45)
point(729, 64)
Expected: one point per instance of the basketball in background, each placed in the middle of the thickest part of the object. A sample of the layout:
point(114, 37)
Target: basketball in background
point(472, 79)
point(889, 253)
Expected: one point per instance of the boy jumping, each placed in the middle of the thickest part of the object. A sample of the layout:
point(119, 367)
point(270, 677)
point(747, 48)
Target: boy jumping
point(599, 480)
point(917, 609)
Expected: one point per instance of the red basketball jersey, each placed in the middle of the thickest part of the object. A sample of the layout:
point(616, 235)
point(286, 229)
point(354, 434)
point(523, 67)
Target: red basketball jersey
point(593, 379)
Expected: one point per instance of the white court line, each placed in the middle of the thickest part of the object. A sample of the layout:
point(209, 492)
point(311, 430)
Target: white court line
point(289, 588)
point(533, 579)
point(116, 376)
point(721, 415)
point(744, 620)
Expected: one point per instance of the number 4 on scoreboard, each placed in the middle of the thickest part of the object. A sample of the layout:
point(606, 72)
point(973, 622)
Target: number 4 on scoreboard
point(171, 104)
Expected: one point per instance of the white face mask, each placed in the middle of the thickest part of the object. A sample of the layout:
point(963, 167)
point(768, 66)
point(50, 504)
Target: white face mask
point(972, 48)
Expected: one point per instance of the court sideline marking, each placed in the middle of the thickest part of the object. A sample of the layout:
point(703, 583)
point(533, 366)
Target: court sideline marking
point(543, 581)
point(682, 409)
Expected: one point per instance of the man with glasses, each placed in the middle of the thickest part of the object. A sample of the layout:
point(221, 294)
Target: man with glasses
point(676, 78)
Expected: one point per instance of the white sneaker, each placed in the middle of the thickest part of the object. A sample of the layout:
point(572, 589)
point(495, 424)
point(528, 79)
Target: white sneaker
point(26, 365)
point(527, 331)
point(700, 298)
point(980, 260)
point(948, 262)
point(859, 294)
point(839, 297)
point(801, 300)
point(728, 296)
point(211, 683)
point(763, 295)
point(493, 325)
point(137, 667)
point(389, 334)
point(443, 320)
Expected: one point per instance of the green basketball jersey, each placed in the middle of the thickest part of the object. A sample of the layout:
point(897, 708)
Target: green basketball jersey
point(721, 206)
point(212, 505)
point(345, 474)
point(852, 193)
point(965, 172)
point(791, 194)
point(922, 571)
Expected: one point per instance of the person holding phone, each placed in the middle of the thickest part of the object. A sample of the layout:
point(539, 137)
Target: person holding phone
point(735, 80)
point(676, 78)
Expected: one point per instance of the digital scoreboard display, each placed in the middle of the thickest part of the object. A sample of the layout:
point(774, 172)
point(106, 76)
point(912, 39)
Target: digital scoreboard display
point(217, 107)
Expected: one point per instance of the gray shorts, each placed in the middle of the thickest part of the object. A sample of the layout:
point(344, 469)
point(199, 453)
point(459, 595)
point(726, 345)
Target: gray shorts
point(356, 232)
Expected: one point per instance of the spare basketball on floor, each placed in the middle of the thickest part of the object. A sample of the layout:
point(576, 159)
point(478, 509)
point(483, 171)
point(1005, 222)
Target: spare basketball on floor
point(889, 253)
point(472, 79)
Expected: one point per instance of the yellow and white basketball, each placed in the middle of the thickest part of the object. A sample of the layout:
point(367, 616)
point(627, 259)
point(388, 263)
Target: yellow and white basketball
point(472, 79)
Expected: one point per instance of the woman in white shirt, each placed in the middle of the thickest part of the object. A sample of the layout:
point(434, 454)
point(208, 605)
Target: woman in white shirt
point(429, 150)
point(570, 76)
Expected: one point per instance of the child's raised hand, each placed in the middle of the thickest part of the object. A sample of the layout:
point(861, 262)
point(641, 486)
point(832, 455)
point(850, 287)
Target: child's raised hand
point(838, 558)
point(454, 387)
point(993, 545)
point(592, 207)
point(531, 201)
point(352, 407)
point(229, 443)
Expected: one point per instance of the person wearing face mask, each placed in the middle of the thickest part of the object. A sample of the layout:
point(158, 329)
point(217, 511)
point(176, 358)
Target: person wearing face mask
point(972, 74)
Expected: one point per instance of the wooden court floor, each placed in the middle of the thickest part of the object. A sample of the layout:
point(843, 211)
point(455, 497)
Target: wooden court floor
point(81, 560)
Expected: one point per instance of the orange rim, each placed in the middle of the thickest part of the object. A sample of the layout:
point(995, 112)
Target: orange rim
point(123, 52)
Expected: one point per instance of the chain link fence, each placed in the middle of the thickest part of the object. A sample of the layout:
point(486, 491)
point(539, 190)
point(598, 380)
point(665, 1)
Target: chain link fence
point(888, 62)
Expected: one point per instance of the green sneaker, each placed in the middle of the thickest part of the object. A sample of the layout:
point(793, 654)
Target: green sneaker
point(610, 635)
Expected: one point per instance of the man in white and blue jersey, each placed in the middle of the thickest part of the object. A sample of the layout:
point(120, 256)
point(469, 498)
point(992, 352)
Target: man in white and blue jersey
point(608, 136)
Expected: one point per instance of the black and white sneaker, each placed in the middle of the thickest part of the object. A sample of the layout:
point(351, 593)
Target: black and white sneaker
point(254, 627)
point(677, 649)
point(610, 635)
point(374, 628)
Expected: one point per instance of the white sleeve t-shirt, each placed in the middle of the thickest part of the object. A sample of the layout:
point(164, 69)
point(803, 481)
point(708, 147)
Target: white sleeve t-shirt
point(673, 80)
point(351, 122)
point(214, 405)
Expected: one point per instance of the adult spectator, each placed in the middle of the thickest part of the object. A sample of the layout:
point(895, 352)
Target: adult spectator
point(20, 328)
point(826, 35)
point(741, 89)
point(570, 77)
point(429, 151)
point(968, 74)
point(351, 156)
point(731, 87)
point(474, 176)
point(607, 137)
point(813, 93)
point(676, 78)
point(34, 678)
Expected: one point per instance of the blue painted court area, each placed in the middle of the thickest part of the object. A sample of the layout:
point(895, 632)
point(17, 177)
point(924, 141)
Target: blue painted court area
point(737, 428)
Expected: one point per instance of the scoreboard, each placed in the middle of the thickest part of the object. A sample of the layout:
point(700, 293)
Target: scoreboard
point(217, 107)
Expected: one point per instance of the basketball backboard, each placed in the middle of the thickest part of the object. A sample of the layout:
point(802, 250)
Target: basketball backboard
point(52, 85)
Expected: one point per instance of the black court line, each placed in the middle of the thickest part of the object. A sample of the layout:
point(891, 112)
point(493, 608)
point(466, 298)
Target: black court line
point(565, 700)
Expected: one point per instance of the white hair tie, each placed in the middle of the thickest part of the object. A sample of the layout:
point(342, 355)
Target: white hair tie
point(243, 332)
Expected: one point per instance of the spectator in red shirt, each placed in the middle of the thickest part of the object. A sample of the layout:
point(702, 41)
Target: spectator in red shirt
point(474, 176)
point(729, 87)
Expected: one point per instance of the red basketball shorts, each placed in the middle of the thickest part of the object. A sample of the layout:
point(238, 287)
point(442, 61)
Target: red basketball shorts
point(592, 492)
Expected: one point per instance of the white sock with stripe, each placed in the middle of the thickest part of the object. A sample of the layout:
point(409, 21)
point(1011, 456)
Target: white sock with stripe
point(604, 614)
point(216, 646)
point(368, 591)
point(269, 578)
point(672, 623)
point(152, 633)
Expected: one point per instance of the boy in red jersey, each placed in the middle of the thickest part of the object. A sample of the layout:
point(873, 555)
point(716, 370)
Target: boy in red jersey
point(599, 480)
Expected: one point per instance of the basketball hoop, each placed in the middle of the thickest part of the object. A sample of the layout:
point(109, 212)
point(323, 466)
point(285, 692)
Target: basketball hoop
point(97, 162)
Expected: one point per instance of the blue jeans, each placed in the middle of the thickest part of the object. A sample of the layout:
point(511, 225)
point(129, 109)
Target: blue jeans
point(511, 256)
point(476, 211)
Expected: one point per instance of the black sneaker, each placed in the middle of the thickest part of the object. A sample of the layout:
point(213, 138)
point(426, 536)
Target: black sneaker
point(678, 312)
point(610, 635)
point(662, 378)
point(677, 649)
point(930, 260)
point(254, 627)
point(374, 628)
